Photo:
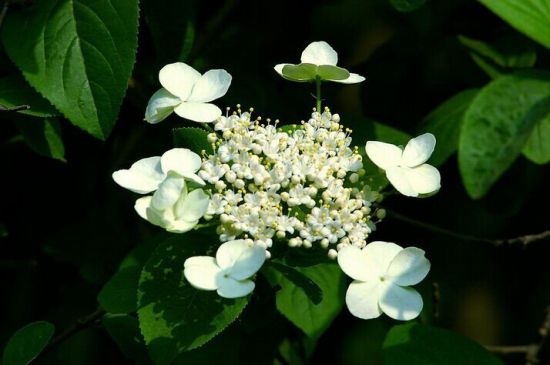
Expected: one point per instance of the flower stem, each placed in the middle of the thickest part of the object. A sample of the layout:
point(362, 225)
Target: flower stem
point(318, 93)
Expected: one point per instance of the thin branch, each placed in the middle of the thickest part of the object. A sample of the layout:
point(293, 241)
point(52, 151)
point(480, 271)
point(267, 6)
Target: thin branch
point(4, 11)
point(531, 351)
point(81, 324)
point(521, 240)
point(14, 108)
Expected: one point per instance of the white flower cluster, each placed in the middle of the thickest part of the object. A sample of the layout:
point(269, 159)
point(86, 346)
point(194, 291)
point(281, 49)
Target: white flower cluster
point(299, 184)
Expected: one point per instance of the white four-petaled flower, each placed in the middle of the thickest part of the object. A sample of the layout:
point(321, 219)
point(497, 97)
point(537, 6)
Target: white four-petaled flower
point(382, 272)
point(406, 169)
point(229, 272)
point(171, 206)
point(322, 54)
point(188, 93)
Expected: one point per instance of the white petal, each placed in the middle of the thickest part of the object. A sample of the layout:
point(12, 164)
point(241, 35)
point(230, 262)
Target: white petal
point(160, 106)
point(418, 150)
point(231, 288)
point(212, 85)
point(181, 161)
point(352, 79)
point(201, 272)
point(384, 155)
point(240, 259)
point(362, 299)
point(143, 176)
point(141, 206)
point(409, 267)
point(424, 179)
point(320, 53)
point(198, 112)
point(379, 255)
point(400, 303)
point(194, 206)
point(178, 78)
point(279, 68)
point(180, 226)
point(400, 179)
point(168, 192)
point(354, 263)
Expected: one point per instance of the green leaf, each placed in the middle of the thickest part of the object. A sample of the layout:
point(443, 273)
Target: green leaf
point(497, 125)
point(531, 17)
point(416, 344)
point(445, 123)
point(14, 91)
point(175, 317)
point(78, 54)
point(295, 304)
point(193, 138)
point(537, 148)
point(119, 295)
point(124, 330)
point(407, 5)
point(310, 288)
point(328, 72)
point(303, 72)
point(43, 136)
point(25, 344)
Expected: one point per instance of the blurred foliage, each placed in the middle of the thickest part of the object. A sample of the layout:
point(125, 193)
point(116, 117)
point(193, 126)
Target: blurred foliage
point(474, 73)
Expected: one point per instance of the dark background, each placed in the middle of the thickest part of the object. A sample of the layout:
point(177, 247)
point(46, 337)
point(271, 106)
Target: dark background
point(66, 226)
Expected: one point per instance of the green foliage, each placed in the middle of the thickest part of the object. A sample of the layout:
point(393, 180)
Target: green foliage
point(14, 91)
point(124, 330)
point(295, 304)
point(43, 136)
point(537, 148)
point(119, 295)
point(78, 55)
point(531, 17)
point(308, 286)
point(175, 317)
point(307, 72)
point(445, 123)
point(27, 343)
point(407, 5)
point(416, 344)
point(497, 125)
point(193, 138)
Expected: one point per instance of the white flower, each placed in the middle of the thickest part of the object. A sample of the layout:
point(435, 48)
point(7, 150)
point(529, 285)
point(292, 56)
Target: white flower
point(180, 217)
point(382, 272)
point(188, 93)
point(321, 54)
point(405, 169)
point(230, 271)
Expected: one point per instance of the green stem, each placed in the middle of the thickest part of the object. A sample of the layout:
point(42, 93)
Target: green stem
point(318, 93)
point(208, 127)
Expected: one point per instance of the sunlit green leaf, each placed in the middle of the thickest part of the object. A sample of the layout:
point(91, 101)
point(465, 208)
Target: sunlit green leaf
point(78, 54)
point(328, 72)
point(15, 91)
point(537, 148)
point(497, 125)
point(310, 288)
point(303, 72)
point(27, 343)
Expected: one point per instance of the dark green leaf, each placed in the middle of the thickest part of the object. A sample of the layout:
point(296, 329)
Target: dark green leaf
point(416, 344)
point(124, 330)
point(78, 54)
point(407, 5)
point(294, 303)
point(537, 148)
point(119, 295)
point(43, 136)
point(328, 72)
point(193, 138)
point(27, 343)
point(310, 288)
point(531, 17)
point(302, 73)
point(175, 317)
point(497, 125)
point(445, 123)
point(14, 91)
